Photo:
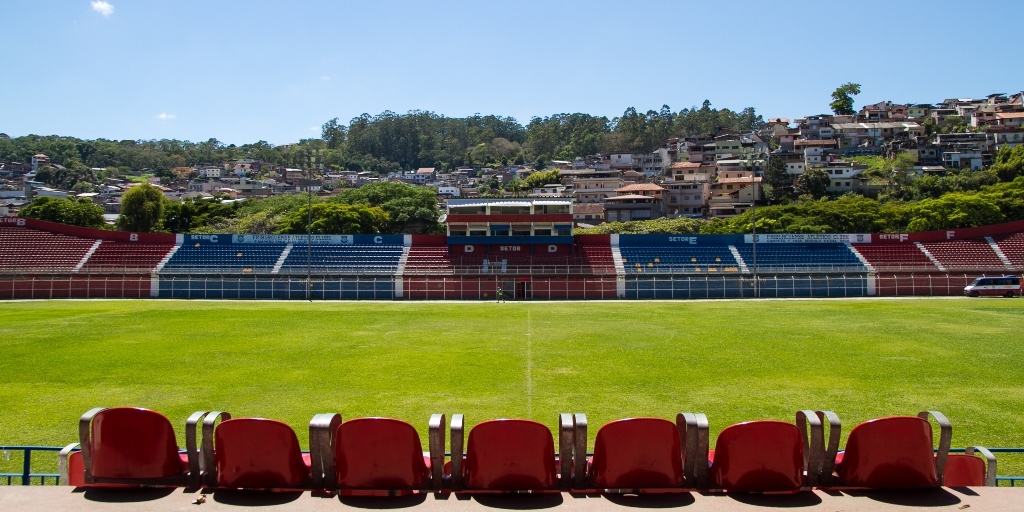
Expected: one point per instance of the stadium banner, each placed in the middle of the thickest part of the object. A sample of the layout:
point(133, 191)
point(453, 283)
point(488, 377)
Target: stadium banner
point(296, 239)
point(809, 238)
point(293, 239)
point(672, 240)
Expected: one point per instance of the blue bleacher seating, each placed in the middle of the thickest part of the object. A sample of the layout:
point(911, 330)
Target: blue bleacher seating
point(677, 259)
point(824, 257)
point(360, 259)
point(229, 258)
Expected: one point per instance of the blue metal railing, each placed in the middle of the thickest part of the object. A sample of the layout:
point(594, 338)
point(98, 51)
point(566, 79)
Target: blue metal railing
point(26, 474)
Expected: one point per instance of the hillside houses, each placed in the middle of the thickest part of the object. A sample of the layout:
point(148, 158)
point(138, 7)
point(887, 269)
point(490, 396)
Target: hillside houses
point(712, 175)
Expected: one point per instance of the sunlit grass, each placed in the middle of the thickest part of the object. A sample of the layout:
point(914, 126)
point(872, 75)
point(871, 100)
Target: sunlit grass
point(734, 361)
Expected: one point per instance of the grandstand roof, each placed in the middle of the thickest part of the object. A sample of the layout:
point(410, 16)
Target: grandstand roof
point(508, 202)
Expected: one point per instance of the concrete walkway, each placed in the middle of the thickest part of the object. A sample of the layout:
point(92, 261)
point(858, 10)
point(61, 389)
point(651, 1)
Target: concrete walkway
point(41, 498)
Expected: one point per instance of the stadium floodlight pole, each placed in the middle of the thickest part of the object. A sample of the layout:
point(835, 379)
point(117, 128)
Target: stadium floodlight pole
point(309, 227)
point(753, 225)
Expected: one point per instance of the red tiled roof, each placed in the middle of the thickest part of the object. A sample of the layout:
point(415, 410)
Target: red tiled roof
point(628, 196)
point(738, 180)
point(588, 208)
point(685, 165)
point(640, 187)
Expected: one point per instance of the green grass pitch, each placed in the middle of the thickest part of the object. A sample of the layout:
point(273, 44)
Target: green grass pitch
point(733, 360)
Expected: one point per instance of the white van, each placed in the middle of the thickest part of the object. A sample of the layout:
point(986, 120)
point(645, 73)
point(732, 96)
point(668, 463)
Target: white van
point(1005, 286)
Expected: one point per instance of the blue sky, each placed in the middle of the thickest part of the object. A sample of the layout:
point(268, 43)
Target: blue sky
point(242, 71)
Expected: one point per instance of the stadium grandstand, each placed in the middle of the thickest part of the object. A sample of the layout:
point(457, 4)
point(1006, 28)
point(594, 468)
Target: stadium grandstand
point(518, 246)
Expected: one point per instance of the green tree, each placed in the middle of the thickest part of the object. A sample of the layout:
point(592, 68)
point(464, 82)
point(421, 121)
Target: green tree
point(82, 187)
point(333, 133)
point(196, 214)
point(409, 208)
point(336, 218)
point(663, 226)
point(779, 182)
point(842, 99)
point(814, 182)
point(74, 212)
point(142, 209)
point(539, 179)
point(952, 211)
point(1009, 163)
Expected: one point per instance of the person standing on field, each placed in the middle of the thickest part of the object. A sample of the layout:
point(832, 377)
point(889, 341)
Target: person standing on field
point(501, 295)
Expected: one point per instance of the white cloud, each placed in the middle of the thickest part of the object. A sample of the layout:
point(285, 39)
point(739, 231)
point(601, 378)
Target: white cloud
point(164, 116)
point(314, 128)
point(103, 7)
point(325, 77)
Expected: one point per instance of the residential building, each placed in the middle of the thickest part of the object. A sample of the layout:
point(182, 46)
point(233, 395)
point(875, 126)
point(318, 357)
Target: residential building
point(39, 160)
point(732, 195)
point(594, 190)
point(686, 198)
point(644, 189)
point(588, 214)
point(425, 175)
point(449, 192)
point(629, 207)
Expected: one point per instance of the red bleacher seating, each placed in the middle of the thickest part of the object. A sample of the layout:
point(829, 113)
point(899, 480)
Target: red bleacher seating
point(131, 447)
point(29, 249)
point(114, 256)
point(1013, 248)
point(431, 260)
point(895, 257)
point(436, 260)
point(965, 254)
point(597, 257)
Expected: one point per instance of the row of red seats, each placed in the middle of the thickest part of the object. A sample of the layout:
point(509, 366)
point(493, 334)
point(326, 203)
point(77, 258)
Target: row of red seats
point(382, 456)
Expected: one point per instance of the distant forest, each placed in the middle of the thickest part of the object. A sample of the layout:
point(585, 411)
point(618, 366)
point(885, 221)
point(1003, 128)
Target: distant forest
point(390, 142)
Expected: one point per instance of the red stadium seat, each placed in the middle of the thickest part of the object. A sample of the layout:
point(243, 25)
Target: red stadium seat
point(759, 456)
point(966, 470)
point(253, 453)
point(375, 456)
point(894, 452)
point(126, 446)
point(637, 453)
point(511, 455)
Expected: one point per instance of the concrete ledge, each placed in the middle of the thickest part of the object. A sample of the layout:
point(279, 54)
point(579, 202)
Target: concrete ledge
point(41, 498)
